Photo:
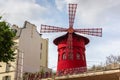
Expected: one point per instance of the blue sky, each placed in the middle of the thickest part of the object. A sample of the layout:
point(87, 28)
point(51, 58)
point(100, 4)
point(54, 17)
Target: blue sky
point(90, 14)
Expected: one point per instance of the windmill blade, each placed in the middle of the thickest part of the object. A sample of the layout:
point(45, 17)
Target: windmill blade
point(70, 46)
point(47, 29)
point(72, 11)
point(91, 31)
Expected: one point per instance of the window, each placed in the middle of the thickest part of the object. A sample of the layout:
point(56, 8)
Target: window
point(41, 46)
point(78, 56)
point(64, 56)
point(70, 56)
point(6, 78)
point(63, 49)
point(7, 67)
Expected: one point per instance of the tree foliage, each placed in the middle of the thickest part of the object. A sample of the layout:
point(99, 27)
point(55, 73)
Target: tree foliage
point(6, 42)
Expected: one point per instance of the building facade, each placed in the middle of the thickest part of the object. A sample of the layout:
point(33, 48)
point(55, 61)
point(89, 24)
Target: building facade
point(34, 47)
point(31, 53)
point(8, 71)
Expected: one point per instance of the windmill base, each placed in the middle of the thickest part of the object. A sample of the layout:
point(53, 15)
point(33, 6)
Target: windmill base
point(71, 71)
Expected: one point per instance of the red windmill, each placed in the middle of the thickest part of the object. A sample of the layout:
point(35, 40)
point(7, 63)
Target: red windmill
point(71, 46)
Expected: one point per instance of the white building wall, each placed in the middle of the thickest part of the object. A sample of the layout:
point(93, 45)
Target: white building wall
point(30, 44)
point(43, 54)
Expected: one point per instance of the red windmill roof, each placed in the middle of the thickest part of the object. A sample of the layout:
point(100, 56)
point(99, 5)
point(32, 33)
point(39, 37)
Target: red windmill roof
point(58, 39)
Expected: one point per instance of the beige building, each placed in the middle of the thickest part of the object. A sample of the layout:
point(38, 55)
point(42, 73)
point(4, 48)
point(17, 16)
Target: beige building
point(34, 47)
point(8, 71)
point(32, 50)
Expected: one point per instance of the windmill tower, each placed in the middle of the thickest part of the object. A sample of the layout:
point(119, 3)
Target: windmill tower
point(71, 46)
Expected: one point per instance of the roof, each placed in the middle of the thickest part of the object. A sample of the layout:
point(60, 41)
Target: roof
point(58, 39)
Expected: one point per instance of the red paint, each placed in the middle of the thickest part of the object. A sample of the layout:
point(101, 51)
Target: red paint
point(79, 43)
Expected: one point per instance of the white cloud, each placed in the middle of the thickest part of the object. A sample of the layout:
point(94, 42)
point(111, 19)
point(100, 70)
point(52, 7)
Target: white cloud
point(72, 1)
point(60, 4)
point(17, 11)
point(88, 11)
point(100, 51)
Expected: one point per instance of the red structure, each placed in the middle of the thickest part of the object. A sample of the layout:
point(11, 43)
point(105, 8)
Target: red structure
point(71, 46)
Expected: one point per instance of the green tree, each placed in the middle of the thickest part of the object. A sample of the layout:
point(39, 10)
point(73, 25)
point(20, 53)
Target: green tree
point(6, 42)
